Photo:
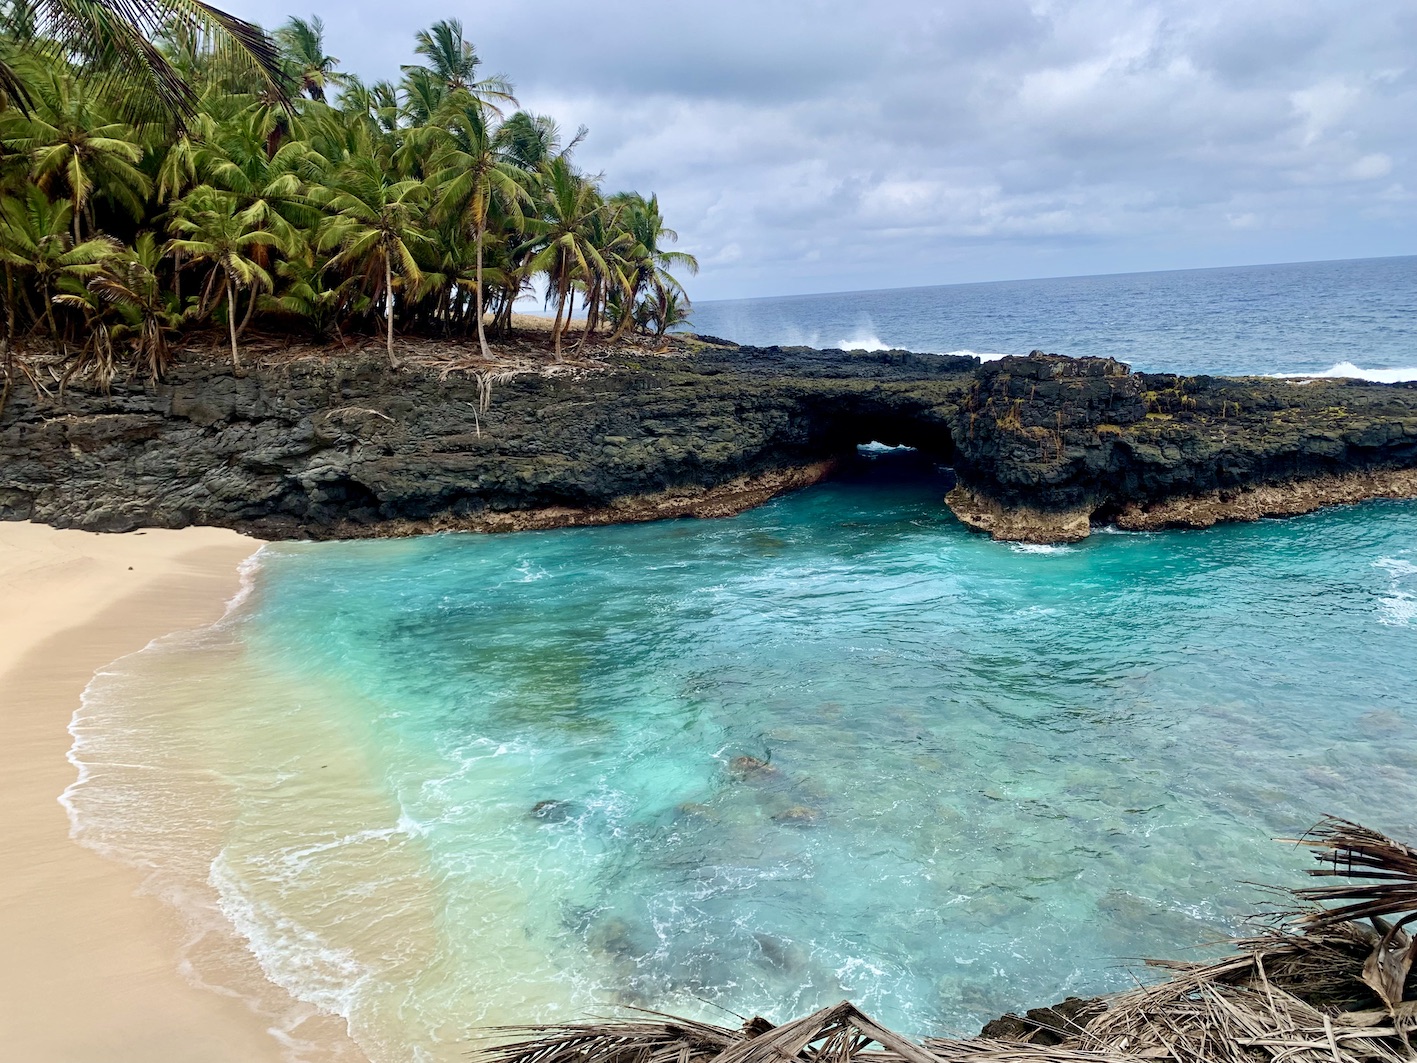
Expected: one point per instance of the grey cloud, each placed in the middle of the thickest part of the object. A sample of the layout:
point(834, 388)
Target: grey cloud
point(822, 146)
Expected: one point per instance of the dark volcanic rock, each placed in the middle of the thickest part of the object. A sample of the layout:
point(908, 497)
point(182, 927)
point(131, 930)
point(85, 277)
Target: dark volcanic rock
point(344, 447)
point(1050, 445)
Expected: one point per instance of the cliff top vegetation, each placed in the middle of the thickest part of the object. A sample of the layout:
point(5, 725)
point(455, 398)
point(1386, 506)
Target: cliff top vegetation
point(167, 169)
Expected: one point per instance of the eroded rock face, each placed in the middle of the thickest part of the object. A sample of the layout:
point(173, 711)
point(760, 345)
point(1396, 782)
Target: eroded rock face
point(344, 448)
point(1043, 446)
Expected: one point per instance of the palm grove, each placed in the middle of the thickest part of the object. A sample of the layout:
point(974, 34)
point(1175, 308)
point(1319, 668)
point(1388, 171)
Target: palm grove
point(286, 193)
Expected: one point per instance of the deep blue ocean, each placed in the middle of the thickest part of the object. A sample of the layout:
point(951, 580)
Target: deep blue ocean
point(837, 747)
point(1331, 318)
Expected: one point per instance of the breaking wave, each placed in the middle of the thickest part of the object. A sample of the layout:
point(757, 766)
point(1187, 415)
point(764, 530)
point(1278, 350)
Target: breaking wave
point(1348, 370)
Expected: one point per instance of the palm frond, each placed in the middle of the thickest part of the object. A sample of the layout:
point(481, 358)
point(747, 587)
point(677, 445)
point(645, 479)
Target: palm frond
point(1387, 871)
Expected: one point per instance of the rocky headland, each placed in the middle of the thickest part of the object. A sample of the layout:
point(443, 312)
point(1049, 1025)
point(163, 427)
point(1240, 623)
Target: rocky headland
point(1043, 447)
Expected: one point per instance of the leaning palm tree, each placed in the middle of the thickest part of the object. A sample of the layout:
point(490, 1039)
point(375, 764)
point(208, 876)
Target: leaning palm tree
point(376, 227)
point(115, 38)
point(215, 230)
point(471, 173)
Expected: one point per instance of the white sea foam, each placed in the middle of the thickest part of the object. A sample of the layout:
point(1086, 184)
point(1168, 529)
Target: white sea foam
point(1399, 607)
point(529, 571)
point(1348, 370)
point(90, 701)
point(874, 449)
point(866, 341)
point(292, 956)
point(247, 573)
point(1038, 548)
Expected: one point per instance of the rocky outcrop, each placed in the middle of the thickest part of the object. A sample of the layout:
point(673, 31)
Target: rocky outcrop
point(1043, 447)
point(1049, 446)
point(345, 447)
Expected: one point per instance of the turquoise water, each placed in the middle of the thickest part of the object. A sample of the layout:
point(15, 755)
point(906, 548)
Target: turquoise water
point(1354, 318)
point(985, 775)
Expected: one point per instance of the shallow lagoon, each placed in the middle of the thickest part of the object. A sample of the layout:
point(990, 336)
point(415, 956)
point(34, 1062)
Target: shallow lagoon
point(468, 779)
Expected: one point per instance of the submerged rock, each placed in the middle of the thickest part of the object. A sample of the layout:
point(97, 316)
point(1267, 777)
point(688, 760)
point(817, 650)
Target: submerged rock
point(749, 767)
point(551, 811)
point(797, 815)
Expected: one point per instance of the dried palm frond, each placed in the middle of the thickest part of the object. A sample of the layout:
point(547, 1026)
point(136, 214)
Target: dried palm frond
point(1388, 868)
point(838, 1034)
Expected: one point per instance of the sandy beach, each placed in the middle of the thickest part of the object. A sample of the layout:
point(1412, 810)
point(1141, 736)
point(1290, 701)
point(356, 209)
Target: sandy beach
point(92, 966)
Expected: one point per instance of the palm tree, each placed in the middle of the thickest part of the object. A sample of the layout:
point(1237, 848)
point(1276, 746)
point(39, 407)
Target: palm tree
point(453, 63)
point(302, 45)
point(116, 39)
point(562, 236)
point(416, 202)
point(129, 283)
point(533, 140)
point(646, 260)
point(670, 308)
point(423, 96)
point(376, 227)
point(270, 187)
point(35, 240)
point(73, 145)
point(607, 237)
point(213, 229)
point(309, 293)
point(471, 172)
point(375, 106)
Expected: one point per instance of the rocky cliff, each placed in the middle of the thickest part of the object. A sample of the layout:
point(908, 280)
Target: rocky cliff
point(1042, 446)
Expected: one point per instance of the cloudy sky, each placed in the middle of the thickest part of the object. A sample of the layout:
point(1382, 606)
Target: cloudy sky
point(829, 146)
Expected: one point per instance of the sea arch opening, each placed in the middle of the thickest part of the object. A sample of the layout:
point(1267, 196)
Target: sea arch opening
point(876, 445)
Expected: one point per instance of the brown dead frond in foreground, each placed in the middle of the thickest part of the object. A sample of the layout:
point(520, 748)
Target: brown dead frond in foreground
point(1320, 985)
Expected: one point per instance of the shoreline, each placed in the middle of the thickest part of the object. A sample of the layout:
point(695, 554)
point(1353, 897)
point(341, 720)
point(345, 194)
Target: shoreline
point(77, 926)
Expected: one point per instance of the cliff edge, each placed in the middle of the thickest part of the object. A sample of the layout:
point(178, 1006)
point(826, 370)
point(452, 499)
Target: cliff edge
point(1043, 446)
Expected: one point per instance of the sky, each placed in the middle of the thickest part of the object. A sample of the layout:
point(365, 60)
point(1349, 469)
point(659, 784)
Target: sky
point(836, 146)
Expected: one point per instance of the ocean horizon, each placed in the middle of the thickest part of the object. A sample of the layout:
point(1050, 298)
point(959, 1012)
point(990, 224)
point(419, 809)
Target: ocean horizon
point(1345, 317)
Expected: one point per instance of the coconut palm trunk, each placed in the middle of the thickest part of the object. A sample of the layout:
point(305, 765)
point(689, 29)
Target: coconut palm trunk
point(250, 313)
point(556, 325)
point(591, 313)
point(477, 287)
point(231, 321)
point(626, 319)
point(389, 306)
